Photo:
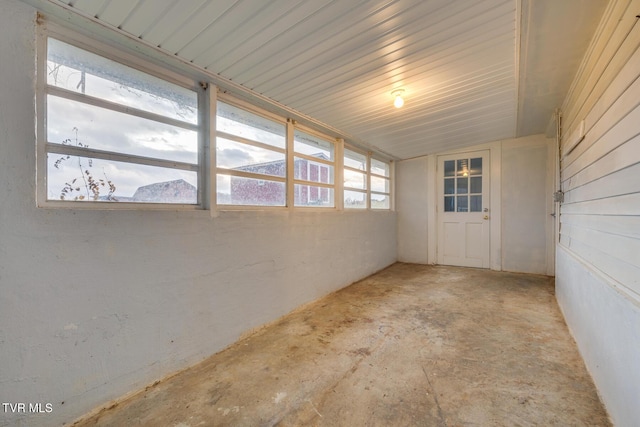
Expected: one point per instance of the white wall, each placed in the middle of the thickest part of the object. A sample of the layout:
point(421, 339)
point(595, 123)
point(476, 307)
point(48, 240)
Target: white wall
point(412, 210)
point(95, 304)
point(521, 194)
point(527, 223)
point(598, 279)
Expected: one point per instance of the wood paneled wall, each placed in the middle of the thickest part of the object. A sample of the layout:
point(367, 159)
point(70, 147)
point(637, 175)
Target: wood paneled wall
point(600, 176)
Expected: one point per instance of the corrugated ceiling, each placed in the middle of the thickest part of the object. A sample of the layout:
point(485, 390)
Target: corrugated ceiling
point(338, 61)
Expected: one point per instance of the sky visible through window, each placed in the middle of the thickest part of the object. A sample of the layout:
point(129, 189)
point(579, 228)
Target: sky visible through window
point(165, 129)
point(74, 123)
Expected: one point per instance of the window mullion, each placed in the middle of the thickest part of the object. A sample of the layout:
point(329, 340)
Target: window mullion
point(369, 180)
point(313, 183)
point(290, 164)
point(314, 159)
point(243, 174)
point(250, 142)
point(109, 155)
point(209, 143)
point(338, 193)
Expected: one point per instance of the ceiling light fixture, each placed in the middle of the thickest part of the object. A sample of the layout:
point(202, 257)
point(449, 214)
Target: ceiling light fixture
point(398, 101)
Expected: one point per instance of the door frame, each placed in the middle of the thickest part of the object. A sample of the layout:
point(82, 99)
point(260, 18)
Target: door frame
point(485, 238)
point(495, 185)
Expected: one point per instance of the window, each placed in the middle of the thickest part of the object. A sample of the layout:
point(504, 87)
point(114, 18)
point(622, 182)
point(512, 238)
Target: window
point(313, 162)
point(355, 180)
point(250, 158)
point(463, 185)
point(380, 184)
point(117, 131)
point(115, 134)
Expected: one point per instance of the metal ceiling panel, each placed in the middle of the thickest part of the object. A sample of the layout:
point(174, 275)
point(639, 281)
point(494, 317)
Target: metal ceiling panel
point(458, 61)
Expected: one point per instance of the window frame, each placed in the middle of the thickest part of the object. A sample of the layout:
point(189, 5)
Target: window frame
point(44, 147)
point(208, 94)
point(366, 190)
point(332, 163)
point(389, 180)
point(241, 104)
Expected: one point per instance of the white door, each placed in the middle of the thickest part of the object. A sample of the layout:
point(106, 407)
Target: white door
point(463, 209)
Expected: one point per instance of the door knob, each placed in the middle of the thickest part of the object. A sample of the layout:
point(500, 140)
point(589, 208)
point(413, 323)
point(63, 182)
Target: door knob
point(486, 217)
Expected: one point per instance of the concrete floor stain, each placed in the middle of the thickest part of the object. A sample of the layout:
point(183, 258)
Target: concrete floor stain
point(411, 345)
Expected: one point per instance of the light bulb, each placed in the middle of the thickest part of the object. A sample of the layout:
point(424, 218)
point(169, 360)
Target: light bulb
point(398, 101)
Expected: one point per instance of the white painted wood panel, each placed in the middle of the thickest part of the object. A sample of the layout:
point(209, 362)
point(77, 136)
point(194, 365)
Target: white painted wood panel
point(616, 113)
point(624, 275)
point(219, 29)
point(602, 34)
point(622, 248)
point(145, 16)
point(436, 29)
point(196, 24)
point(625, 181)
point(600, 176)
point(618, 205)
point(273, 30)
point(612, 224)
point(628, 74)
point(116, 11)
point(603, 174)
point(630, 39)
point(90, 7)
point(175, 19)
point(623, 131)
point(606, 48)
point(234, 33)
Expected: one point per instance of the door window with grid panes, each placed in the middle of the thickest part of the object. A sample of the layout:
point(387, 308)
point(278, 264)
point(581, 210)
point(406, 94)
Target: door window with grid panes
point(463, 185)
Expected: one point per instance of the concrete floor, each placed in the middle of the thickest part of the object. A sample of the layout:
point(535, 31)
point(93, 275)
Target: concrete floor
point(411, 345)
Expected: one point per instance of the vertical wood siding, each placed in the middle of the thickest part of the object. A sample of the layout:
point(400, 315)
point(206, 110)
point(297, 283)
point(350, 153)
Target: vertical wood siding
point(600, 216)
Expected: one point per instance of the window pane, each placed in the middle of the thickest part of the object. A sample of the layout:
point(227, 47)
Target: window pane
point(355, 160)
point(235, 190)
point(308, 170)
point(462, 168)
point(355, 200)
point(449, 204)
point(449, 186)
point(81, 178)
point(463, 185)
point(310, 195)
point(380, 201)
point(243, 157)
point(476, 203)
point(354, 179)
point(242, 123)
point(476, 184)
point(77, 70)
point(78, 124)
point(476, 166)
point(449, 168)
point(379, 184)
point(463, 204)
point(312, 145)
point(379, 167)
